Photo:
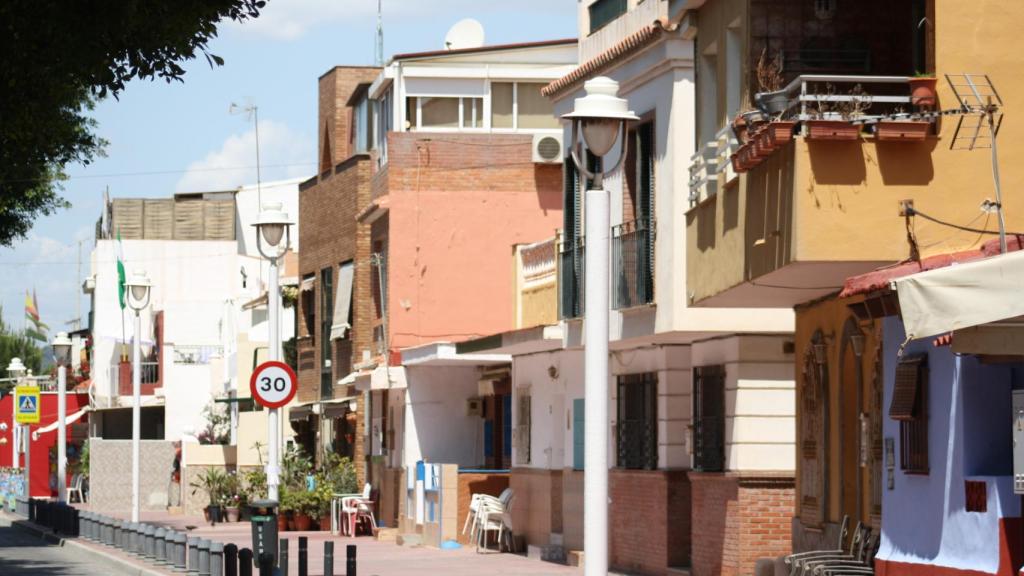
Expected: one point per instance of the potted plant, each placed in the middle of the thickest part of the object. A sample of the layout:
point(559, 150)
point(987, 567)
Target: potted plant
point(922, 89)
point(902, 130)
point(285, 509)
point(835, 122)
point(211, 481)
point(780, 132)
point(232, 496)
point(770, 97)
point(305, 506)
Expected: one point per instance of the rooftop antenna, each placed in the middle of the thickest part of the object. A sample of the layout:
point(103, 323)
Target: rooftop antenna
point(252, 112)
point(378, 53)
point(980, 118)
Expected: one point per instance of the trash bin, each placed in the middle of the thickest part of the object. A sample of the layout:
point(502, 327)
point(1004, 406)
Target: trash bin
point(263, 515)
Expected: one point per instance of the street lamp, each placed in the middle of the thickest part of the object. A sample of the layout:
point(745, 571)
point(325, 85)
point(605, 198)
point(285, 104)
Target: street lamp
point(62, 355)
point(15, 370)
point(272, 225)
point(601, 116)
point(138, 298)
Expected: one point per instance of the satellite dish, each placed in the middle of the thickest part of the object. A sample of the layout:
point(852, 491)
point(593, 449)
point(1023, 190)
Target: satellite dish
point(466, 33)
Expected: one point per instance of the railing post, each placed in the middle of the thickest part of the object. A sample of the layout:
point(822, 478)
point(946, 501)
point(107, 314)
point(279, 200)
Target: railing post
point(245, 562)
point(230, 560)
point(170, 536)
point(350, 560)
point(147, 546)
point(328, 558)
point(180, 553)
point(303, 556)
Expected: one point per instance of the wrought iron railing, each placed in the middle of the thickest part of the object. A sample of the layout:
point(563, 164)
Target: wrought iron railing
point(709, 444)
point(571, 255)
point(632, 264)
point(637, 444)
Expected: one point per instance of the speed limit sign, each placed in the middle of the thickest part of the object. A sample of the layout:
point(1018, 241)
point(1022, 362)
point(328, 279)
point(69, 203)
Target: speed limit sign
point(273, 384)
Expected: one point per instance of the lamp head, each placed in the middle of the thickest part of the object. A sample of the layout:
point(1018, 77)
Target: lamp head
point(600, 114)
point(272, 223)
point(62, 348)
point(138, 288)
point(16, 368)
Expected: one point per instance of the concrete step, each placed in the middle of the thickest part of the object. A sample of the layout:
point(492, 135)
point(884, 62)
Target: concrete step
point(574, 558)
point(387, 534)
point(678, 571)
point(409, 540)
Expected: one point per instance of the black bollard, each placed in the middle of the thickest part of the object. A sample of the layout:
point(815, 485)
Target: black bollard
point(350, 560)
point(303, 556)
point(230, 560)
point(282, 557)
point(245, 562)
point(328, 558)
point(267, 564)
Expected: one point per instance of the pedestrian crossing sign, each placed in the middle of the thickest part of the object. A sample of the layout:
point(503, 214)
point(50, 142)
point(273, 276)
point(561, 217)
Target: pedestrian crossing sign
point(26, 399)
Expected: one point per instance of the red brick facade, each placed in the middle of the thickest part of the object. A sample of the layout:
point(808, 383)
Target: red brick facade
point(649, 520)
point(741, 518)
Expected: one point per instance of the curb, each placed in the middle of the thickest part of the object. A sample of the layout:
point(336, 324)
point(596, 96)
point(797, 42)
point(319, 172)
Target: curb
point(117, 563)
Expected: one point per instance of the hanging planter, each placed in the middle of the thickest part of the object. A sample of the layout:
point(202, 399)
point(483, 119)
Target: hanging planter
point(922, 90)
point(832, 130)
point(780, 132)
point(901, 131)
point(737, 163)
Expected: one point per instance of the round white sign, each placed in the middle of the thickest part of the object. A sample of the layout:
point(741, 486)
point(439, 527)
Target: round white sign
point(273, 384)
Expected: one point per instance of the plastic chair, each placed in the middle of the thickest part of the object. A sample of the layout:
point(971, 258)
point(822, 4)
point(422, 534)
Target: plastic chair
point(76, 487)
point(495, 516)
point(474, 506)
point(357, 508)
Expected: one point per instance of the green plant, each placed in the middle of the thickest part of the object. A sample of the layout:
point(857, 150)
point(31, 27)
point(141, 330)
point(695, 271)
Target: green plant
point(324, 493)
point(83, 459)
point(339, 473)
point(920, 74)
point(286, 502)
point(212, 481)
point(254, 484)
point(295, 466)
point(232, 494)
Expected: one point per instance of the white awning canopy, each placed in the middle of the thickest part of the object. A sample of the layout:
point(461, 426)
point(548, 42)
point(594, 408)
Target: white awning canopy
point(307, 284)
point(71, 419)
point(381, 378)
point(962, 295)
point(342, 302)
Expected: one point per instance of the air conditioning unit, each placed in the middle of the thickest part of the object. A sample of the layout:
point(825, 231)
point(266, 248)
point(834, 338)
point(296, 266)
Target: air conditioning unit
point(474, 407)
point(547, 148)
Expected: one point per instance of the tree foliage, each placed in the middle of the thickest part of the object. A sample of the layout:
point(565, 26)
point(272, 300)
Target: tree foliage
point(59, 57)
point(15, 344)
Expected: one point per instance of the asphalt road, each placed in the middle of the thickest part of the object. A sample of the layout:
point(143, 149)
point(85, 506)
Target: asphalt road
point(23, 553)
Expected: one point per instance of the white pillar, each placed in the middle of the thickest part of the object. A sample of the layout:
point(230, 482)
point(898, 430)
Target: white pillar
point(595, 373)
point(273, 425)
point(136, 413)
point(62, 437)
point(26, 432)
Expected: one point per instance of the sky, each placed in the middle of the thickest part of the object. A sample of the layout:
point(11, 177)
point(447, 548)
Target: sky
point(180, 137)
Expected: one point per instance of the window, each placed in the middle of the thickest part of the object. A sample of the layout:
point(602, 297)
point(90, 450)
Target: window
point(578, 432)
point(523, 426)
point(450, 113)
point(307, 302)
point(502, 107)
point(813, 498)
point(326, 316)
point(709, 418)
point(384, 119)
point(910, 407)
point(472, 112)
point(362, 126)
point(520, 105)
point(637, 429)
point(604, 11)
point(439, 112)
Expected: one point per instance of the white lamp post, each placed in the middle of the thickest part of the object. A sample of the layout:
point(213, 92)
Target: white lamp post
point(273, 225)
point(62, 354)
point(138, 298)
point(15, 370)
point(601, 115)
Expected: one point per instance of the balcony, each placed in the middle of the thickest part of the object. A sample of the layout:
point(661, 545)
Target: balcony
point(121, 377)
point(633, 264)
point(570, 279)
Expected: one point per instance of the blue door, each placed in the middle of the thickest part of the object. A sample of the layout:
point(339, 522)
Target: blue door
point(578, 409)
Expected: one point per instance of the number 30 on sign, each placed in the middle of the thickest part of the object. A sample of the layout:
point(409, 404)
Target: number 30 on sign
point(273, 384)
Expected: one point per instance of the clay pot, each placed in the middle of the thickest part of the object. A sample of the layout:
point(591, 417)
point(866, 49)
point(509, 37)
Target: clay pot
point(892, 131)
point(832, 130)
point(232, 513)
point(282, 522)
point(780, 132)
point(302, 522)
point(922, 91)
point(325, 522)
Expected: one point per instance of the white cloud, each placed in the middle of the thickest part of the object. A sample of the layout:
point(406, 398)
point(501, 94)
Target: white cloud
point(234, 164)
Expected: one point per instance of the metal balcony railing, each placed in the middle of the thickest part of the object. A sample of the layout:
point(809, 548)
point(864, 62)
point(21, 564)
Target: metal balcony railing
point(121, 378)
point(571, 256)
point(632, 264)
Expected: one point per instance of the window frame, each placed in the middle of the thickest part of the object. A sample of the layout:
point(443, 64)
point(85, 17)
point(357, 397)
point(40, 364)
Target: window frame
point(620, 8)
point(636, 392)
point(704, 377)
point(326, 309)
point(914, 437)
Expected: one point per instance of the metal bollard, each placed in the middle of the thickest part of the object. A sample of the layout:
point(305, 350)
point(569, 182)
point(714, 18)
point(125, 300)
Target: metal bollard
point(169, 536)
point(204, 557)
point(350, 560)
point(180, 553)
point(216, 558)
point(81, 519)
point(244, 562)
point(159, 552)
point(230, 560)
point(282, 555)
point(132, 544)
point(148, 546)
point(267, 565)
point(328, 558)
point(108, 529)
point(193, 555)
point(119, 534)
point(303, 556)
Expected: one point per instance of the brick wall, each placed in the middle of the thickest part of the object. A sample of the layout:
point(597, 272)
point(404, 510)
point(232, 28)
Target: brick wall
point(741, 518)
point(649, 520)
point(334, 117)
point(470, 484)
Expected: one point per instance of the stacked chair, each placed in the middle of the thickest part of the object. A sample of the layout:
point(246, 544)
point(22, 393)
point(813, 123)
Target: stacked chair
point(856, 560)
point(489, 514)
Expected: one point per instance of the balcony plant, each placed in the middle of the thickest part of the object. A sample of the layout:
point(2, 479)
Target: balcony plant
point(770, 96)
point(834, 121)
point(923, 89)
point(780, 132)
point(212, 481)
point(900, 128)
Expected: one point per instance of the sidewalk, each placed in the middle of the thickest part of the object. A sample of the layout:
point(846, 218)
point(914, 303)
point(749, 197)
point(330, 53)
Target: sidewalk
point(375, 558)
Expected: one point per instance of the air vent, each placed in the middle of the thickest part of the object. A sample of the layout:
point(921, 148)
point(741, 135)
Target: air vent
point(547, 148)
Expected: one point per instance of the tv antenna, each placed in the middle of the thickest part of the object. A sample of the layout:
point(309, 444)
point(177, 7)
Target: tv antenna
point(252, 112)
point(378, 49)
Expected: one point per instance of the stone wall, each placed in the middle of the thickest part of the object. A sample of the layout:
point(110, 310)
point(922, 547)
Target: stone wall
point(110, 474)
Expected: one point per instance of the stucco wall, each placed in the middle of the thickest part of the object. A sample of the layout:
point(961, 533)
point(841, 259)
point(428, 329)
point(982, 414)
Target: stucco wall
point(110, 478)
point(437, 428)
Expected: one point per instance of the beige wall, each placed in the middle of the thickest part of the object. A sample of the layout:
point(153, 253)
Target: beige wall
point(110, 464)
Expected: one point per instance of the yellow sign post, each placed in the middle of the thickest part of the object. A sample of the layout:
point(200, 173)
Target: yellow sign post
point(26, 402)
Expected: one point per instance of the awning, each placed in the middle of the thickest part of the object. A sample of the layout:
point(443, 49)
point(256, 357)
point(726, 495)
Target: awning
point(337, 407)
point(70, 419)
point(258, 302)
point(962, 295)
point(381, 378)
point(300, 412)
point(342, 302)
point(307, 284)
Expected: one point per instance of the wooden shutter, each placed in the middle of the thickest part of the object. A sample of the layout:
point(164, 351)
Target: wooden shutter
point(578, 431)
point(906, 392)
point(523, 427)
point(910, 406)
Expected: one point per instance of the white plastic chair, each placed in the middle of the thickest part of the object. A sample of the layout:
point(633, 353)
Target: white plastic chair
point(76, 487)
point(356, 507)
point(495, 516)
point(472, 515)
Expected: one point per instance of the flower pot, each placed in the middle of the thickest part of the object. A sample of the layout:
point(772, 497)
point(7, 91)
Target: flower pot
point(282, 522)
point(213, 515)
point(325, 522)
point(832, 130)
point(737, 164)
point(772, 102)
point(763, 145)
point(780, 132)
point(922, 91)
point(232, 513)
point(302, 522)
point(890, 131)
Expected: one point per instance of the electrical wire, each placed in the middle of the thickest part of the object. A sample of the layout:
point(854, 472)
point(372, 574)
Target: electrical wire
point(916, 212)
point(159, 172)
